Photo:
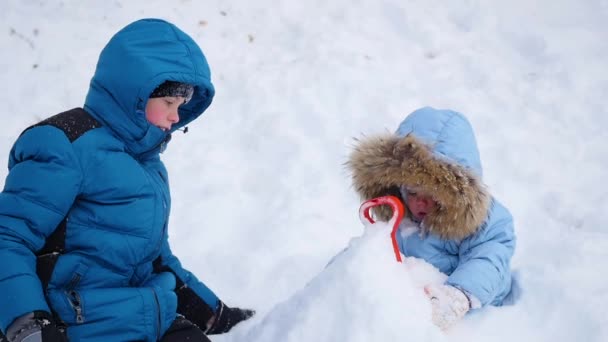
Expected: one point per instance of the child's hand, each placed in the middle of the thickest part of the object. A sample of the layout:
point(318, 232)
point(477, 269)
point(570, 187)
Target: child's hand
point(226, 318)
point(449, 304)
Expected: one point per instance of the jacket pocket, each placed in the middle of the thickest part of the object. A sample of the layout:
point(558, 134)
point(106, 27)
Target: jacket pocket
point(109, 314)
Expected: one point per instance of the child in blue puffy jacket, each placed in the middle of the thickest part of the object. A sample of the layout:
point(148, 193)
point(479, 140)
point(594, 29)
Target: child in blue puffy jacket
point(85, 206)
point(432, 164)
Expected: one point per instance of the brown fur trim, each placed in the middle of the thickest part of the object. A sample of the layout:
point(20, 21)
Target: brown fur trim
point(381, 163)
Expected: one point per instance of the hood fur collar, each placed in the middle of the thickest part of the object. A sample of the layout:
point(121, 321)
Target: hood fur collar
point(381, 164)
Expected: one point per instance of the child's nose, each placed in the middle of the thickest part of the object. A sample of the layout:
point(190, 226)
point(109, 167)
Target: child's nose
point(423, 202)
point(174, 117)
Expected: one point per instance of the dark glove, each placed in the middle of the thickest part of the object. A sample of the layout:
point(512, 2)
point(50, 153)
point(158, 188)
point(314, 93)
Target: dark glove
point(228, 317)
point(37, 326)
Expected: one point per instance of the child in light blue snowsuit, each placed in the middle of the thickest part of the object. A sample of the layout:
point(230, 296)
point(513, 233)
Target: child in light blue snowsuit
point(432, 164)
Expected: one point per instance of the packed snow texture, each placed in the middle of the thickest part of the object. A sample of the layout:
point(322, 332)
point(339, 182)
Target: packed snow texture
point(363, 285)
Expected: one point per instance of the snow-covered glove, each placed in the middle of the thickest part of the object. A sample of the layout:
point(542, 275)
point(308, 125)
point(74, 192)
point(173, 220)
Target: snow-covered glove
point(37, 326)
point(226, 318)
point(163, 285)
point(449, 304)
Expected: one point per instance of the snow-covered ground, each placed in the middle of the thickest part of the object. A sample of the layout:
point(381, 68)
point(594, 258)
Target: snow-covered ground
point(261, 198)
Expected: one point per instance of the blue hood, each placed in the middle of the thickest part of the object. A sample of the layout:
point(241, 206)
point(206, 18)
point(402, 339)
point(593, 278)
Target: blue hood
point(135, 61)
point(434, 152)
point(449, 134)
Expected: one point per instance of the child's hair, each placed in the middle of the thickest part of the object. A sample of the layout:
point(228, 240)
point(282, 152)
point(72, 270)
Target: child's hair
point(173, 88)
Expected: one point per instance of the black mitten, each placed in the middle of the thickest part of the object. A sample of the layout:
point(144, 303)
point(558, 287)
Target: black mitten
point(37, 326)
point(228, 317)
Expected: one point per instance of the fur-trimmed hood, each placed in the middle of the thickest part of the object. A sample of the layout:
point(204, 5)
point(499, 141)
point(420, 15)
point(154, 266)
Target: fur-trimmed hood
point(434, 152)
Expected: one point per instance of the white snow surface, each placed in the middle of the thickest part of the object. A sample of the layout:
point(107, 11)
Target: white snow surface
point(261, 198)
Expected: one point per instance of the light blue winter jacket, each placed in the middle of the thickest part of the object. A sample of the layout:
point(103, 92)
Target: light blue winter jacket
point(470, 235)
point(112, 187)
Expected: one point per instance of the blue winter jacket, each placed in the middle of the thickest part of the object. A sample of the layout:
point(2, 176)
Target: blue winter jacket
point(111, 186)
point(470, 235)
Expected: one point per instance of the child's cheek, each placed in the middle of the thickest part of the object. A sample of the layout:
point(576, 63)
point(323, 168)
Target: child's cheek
point(153, 115)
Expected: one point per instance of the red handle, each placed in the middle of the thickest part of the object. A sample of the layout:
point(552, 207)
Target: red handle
point(398, 212)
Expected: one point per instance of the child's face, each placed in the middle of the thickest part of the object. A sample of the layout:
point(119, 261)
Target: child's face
point(419, 204)
point(162, 111)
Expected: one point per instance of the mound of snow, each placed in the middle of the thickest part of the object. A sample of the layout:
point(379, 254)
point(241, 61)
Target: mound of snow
point(363, 288)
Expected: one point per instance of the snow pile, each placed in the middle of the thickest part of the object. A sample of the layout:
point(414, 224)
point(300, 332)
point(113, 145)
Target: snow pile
point(362, 288)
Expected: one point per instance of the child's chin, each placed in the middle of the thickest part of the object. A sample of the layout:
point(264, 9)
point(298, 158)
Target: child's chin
point(419, 217)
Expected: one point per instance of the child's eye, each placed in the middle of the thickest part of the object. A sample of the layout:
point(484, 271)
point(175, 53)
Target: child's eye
point(411, 193)
point(169, 102)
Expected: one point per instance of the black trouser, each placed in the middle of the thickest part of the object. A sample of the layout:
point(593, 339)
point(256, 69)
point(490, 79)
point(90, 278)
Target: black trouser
point(182, 330)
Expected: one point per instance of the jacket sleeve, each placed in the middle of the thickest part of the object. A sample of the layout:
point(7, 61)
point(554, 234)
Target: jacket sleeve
point(43, 180)
point(485, 258)
point(194, 299)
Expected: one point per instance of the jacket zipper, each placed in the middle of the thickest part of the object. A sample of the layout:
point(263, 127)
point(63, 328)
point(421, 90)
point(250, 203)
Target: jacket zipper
point(74, 299)
point(163, 196)
point(157, 328)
